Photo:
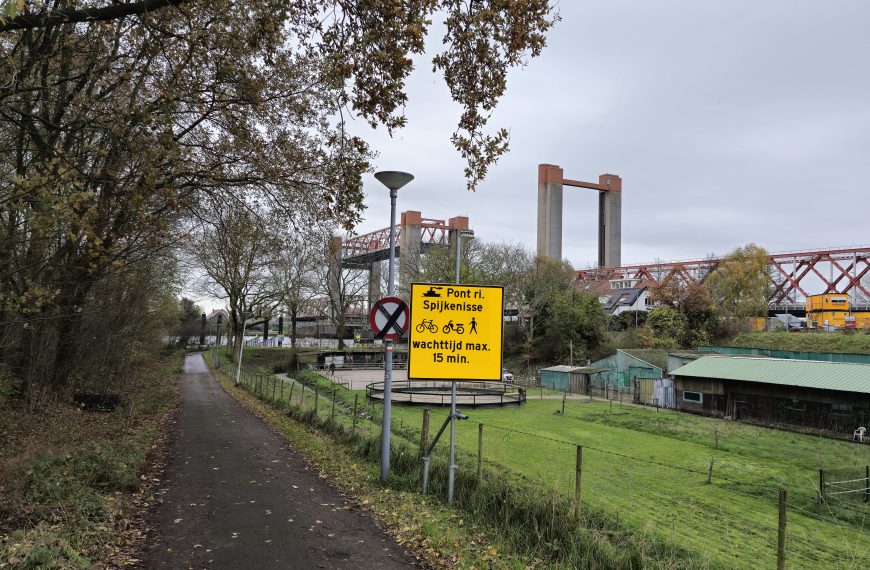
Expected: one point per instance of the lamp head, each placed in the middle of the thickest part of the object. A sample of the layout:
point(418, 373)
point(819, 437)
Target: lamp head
point(393, 179)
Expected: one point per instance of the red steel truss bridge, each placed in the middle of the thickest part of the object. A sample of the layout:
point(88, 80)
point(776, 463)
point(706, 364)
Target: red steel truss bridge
point(794, 274)
point(363, 250)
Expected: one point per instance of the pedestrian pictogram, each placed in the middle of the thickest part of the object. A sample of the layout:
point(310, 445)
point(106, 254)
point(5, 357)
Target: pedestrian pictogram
point(456, 332)
point(389, 318)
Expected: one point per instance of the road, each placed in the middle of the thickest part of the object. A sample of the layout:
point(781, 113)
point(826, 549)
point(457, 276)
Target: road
point(235, 495)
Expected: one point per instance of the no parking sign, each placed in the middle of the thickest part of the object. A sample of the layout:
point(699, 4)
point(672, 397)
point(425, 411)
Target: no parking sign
point(389, 318)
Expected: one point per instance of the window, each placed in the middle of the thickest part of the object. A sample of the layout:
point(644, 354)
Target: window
point(693, 397)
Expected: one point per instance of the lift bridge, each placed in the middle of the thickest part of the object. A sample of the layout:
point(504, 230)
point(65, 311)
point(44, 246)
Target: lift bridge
point(414, 235)
point(793, 275)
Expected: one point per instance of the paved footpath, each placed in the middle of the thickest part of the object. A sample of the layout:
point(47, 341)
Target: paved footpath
point(236, 496)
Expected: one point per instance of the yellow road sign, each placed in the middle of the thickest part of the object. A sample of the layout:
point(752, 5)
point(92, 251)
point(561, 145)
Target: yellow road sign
point(455, 332)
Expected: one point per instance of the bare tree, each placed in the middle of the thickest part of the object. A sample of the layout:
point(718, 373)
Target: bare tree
point(234, 252)
point(293, 273)
point(344, 288)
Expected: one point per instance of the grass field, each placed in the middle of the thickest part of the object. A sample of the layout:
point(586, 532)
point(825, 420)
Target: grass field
point(650, 470)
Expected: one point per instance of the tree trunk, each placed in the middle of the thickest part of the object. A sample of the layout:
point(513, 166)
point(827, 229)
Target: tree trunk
point(68, 339)
point(339, 332)
point(293, 329)
point(238, 344)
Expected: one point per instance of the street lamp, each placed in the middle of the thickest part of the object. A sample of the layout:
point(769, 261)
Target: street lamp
point(452, 472)
point(392, 180)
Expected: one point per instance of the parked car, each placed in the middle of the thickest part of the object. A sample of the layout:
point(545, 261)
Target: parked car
point(506, 376)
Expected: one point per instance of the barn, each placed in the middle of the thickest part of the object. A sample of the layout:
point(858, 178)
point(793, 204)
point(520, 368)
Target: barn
point(573, 379)
point(627, 365)
point(832, 396)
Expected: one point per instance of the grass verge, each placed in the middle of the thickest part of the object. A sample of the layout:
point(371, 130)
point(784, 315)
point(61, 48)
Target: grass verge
point(839, 342)
point(70, 480)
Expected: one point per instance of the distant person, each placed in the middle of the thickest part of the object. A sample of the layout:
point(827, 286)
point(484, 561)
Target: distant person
point(332, 368)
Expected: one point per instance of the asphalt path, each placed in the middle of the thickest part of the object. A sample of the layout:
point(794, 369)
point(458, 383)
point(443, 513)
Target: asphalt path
point(235, 495)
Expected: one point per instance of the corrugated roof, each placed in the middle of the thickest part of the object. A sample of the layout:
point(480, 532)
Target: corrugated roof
point(579, 369)
point(560, 368)
point(843, 376)
point(655, 356)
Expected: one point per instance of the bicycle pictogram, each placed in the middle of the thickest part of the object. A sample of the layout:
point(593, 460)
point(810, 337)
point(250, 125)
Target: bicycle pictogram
point(427, 324)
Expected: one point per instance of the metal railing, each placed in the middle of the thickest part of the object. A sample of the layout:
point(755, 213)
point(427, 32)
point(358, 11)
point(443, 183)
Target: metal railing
point(437, 393)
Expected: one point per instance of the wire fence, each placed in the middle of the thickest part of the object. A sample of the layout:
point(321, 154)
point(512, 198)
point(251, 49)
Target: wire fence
point(714, 505)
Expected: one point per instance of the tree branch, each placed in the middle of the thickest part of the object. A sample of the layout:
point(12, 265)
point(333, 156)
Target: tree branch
point(113, 12)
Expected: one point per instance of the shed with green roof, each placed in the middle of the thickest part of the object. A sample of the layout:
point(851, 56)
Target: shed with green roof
point(823, 395)
point(627, 365)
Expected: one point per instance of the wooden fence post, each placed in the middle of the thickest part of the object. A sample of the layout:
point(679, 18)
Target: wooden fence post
point(479, 453)
point(355, 400)
point(316, 400)
point(290, 397)
point(274, 381)
point(424, 433)
point(332, 414)
point(821, 488)
point(578, 472)
point(710, 471)
point(716, 433)
point(302, 401)
point(867, 485)
point(564, 395)
point(282, 390)
point(780, 535)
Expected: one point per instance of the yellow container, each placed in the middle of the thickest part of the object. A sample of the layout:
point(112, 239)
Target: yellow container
point(828, 302)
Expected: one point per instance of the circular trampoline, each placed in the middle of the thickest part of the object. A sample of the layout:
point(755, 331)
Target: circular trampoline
point(437, 393)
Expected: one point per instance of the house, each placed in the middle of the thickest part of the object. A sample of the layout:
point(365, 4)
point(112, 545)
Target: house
point(833, 396)
point(618, 295)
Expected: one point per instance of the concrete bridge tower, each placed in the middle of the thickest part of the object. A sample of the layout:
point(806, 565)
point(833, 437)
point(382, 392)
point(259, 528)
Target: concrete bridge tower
point(550, 184)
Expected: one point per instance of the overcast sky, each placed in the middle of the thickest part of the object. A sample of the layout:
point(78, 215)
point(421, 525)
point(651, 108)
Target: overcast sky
point(729, 122)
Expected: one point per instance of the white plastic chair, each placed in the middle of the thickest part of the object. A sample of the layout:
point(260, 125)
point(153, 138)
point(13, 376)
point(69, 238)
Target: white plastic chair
point(859, 434)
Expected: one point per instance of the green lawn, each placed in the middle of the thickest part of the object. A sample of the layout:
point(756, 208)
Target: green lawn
point(650, 470)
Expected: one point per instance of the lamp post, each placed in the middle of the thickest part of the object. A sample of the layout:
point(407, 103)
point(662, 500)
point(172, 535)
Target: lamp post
point(451, 476)
point(393, 181)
